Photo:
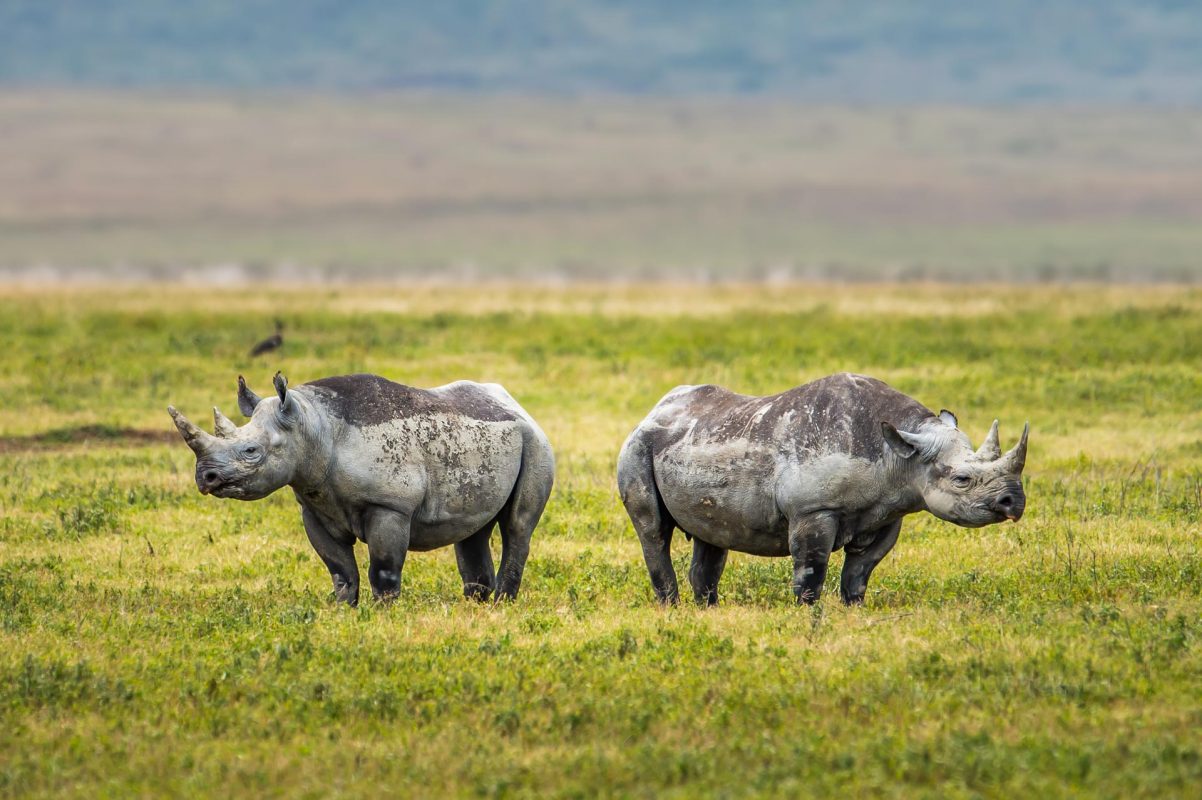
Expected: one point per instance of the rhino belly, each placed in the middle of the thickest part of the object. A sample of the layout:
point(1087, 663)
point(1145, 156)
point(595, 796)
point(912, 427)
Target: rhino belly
point(724, 498)
point(433, 535)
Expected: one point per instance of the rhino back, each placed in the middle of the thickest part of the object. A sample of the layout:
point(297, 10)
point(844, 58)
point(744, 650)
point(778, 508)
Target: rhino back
point(837, 414)
point(368, 400)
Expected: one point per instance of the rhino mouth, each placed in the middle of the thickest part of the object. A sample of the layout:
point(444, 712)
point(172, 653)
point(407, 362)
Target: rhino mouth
point(212, 482)
point(997, 516)
point(229, 490)
point(1012, 512)
point(232, 491)
point(981, 516)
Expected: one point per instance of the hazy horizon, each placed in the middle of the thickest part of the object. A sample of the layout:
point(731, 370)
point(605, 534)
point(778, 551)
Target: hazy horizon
point(601, 140)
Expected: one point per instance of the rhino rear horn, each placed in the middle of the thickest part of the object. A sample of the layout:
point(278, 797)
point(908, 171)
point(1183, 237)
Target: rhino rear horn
point(1016, 459)
point(223, 427)
point(194, 437)
point(990, 449)
point(247, 400)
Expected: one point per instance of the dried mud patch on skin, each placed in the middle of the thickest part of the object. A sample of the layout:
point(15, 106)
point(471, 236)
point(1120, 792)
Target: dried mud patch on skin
point(85, 434)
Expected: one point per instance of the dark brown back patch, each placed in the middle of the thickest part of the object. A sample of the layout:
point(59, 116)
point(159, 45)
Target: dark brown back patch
point(841, 411)
point(364, 400)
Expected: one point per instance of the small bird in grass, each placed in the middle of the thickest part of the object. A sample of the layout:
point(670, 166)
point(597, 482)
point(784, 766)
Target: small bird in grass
point(272, 342)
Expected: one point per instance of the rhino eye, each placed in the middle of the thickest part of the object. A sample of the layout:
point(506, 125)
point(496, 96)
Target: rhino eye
point(251, 450)
point(961, 481)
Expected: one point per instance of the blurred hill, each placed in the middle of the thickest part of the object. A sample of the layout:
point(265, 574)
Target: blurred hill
point(285, 184)
point(922, 51)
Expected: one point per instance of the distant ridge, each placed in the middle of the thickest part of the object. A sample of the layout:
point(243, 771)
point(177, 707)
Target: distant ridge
point(920, 51)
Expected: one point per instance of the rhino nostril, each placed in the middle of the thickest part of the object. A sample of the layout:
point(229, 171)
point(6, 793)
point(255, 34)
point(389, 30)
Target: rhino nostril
point(1005, 501)
point(211, 476)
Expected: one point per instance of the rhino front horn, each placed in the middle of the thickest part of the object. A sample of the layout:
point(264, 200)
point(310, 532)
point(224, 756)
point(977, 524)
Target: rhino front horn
point(194, 437)
point(1016, 459)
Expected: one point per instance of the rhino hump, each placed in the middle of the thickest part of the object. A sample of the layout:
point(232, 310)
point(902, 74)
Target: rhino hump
point(367, 400)
point(839, 413)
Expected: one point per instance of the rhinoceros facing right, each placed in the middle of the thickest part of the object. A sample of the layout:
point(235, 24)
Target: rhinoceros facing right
point(832, 464)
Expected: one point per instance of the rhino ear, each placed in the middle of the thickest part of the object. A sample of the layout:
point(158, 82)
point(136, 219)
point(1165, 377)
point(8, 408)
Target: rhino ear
point(897, 440)
point(287, 409)
point(948, 419)
point(247, 400)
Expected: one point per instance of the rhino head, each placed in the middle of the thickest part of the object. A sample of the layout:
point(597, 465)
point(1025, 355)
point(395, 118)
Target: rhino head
point(957, 484)
point(253, 461)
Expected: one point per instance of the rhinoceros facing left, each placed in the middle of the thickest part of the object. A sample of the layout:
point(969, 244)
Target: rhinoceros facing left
point(395, 467)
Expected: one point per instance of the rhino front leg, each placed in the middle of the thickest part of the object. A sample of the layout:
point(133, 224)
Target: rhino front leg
point(859, 564)
point(706, 571)
point(474, 557)
point(387, 535)
point(338, 555)
point(811, 538)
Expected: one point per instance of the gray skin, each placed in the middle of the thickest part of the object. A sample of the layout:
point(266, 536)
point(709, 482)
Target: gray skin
point(833, 464)
point(395, 467)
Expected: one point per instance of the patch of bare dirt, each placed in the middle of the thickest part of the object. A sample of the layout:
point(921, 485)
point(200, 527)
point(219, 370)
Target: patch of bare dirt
point(84, 434)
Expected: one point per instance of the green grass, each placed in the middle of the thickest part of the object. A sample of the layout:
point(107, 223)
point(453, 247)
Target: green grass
point(157, 642)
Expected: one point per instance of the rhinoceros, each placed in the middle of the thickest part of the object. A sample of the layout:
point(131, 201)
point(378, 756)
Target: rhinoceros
point(836, 463)
point(396, 467)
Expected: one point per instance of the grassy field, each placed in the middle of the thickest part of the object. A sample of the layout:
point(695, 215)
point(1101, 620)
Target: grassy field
point(157, 642)
point(410, 185)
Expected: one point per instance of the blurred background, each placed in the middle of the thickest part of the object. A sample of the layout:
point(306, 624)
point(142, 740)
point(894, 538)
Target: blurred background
point(307, 140)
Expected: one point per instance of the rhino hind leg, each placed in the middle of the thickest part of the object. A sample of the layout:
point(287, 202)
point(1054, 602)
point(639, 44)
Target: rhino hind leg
point(859, 563)
point(338, 555)
point(706, 571)
point(650, 517)
point(474, 556)
point(523, 511)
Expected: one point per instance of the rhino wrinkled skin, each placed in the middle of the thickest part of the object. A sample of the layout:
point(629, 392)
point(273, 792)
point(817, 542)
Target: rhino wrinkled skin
point(395, 467)
point(836, 463)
